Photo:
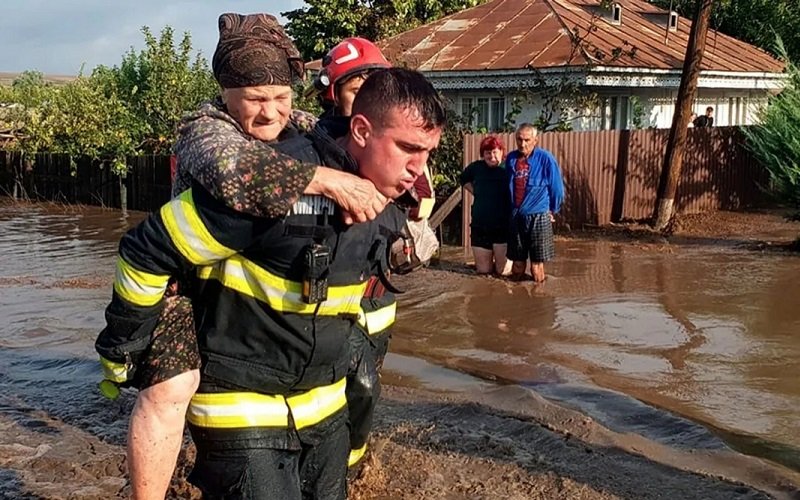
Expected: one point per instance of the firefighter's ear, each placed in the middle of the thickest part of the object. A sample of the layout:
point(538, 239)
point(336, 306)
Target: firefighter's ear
point(360, 130)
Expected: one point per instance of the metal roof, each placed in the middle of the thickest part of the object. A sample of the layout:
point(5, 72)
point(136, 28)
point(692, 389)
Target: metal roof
point(524, 34)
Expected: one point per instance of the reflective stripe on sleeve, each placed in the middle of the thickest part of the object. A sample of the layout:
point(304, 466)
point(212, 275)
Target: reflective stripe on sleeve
point(250, 409)
point(356, 455)
point(248, 278)
point(188, 232)
point(375, 322)
point(138, 287)
point(115, 372)
point(426, 208)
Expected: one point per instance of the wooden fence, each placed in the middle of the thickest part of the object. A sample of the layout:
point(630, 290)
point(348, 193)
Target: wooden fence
point(609, 175)
point(58, 177)
point(613, 175)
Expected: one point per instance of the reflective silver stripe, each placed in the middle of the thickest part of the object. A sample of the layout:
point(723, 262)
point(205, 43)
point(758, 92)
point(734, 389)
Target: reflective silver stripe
point(379, 320)
point(250, 409)
point(312, 205)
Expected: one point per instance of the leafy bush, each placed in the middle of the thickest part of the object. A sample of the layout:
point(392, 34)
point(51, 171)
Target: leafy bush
point(776, 141)
point(447, 161)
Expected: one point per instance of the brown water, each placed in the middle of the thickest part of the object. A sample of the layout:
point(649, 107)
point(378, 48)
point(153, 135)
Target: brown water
point(694, 346)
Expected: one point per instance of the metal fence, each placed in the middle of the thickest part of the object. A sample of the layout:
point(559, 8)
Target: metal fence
point(613, 175)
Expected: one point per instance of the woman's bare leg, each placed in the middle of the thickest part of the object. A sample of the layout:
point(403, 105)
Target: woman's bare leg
point(155, 434)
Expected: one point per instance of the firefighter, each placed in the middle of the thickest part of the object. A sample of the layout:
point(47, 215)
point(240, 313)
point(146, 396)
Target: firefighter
point(227, 153)
point(344, 70)
point(273, 300)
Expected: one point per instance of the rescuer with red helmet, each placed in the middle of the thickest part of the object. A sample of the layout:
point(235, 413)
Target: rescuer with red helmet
point(344, 69)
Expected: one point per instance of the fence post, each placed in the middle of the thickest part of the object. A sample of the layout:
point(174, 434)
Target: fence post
point(123, 192)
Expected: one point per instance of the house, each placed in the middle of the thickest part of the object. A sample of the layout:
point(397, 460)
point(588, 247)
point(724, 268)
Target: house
point(586, 65)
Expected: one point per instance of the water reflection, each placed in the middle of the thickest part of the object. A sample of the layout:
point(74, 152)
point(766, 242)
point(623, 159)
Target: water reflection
point(707, 332)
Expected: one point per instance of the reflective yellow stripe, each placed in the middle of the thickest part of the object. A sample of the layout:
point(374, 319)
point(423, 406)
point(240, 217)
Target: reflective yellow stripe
point(426, 207)
point(250, 409)
point(248, 278)
point(115, 372)
point(376, 321)
point(189, 233)
point(356, 455)
point(238, 409)
point(318, 403)
point(138, 287)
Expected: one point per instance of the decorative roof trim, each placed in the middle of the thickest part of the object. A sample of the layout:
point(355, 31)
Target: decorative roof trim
point(601, 76)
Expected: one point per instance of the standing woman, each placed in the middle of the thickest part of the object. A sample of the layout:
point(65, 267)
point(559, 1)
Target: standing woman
point(487, 180)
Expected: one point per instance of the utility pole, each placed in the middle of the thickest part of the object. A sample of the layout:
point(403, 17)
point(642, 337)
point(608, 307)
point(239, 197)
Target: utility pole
point(676, 144)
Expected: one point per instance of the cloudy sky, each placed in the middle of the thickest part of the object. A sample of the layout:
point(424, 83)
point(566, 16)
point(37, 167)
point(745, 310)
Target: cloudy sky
point(58, 36)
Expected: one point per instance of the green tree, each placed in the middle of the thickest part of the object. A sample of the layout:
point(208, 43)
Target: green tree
point(324, 23)
point(128, 109)
point(776, 141)
point(85, 121)
point(23, 119)
point(158, 86)
point(447, 161)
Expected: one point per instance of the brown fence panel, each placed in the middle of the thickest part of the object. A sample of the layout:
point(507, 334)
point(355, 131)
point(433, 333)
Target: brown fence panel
point(645, 156)
point(149, 183)
point(589, 163)
point(51, 176)
point(613, 175)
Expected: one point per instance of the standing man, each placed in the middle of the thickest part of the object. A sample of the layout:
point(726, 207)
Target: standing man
point(536, 192)
point(706, 120)
point(344, 70)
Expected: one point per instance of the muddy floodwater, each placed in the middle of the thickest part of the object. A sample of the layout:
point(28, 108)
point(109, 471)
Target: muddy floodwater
point(696, 346)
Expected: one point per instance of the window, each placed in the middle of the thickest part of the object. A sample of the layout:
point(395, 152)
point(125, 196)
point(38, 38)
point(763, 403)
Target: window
point(673, 21)
point(614, 111)
point(482, 113)
point(487, 113)
point(498, 113)
point(616, 14)
point(466, 108)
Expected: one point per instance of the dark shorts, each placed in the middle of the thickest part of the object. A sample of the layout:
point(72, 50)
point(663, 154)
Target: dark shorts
point(173, 350)
point(531, 238)
point(487, 236)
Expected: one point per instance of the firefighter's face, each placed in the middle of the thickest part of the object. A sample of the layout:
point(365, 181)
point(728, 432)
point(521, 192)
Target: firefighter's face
point(346, 94)
point(262, 111)
point(393, 154)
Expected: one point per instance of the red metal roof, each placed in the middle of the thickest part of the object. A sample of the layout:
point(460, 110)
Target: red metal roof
point(519, 34)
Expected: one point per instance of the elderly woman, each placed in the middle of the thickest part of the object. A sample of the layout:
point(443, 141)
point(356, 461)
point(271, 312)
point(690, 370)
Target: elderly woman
point(487, 179)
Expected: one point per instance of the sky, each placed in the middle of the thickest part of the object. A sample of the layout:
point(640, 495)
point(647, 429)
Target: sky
point(59, 36)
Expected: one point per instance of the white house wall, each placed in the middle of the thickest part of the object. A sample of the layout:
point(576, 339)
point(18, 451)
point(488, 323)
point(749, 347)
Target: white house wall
point(731, 107)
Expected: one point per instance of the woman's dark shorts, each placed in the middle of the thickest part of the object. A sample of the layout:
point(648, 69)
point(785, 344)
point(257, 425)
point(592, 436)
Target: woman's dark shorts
point(174, 347)
point(488, 236)
point(531, 237)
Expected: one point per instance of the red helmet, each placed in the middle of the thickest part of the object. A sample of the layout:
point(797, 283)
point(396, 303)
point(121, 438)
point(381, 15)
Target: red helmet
point(348, 58)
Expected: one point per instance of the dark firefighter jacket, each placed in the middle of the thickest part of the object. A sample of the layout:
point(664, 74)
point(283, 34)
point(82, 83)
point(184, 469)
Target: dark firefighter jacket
point(270, 359)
